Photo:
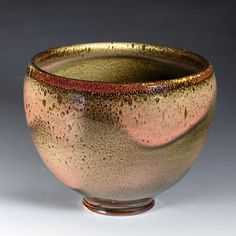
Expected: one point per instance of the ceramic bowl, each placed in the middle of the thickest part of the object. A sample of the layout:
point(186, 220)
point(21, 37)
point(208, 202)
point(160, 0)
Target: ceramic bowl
point(119, 122)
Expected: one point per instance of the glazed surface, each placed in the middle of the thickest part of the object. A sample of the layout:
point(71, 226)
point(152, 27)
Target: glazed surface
point(118, 69)
point(119, 145)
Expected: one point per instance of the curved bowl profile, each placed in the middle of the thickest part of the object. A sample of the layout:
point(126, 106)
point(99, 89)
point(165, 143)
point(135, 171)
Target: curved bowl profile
point(119, 122)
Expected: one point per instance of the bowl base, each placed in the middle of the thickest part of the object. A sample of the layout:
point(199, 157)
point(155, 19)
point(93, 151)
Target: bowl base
point(118, 208)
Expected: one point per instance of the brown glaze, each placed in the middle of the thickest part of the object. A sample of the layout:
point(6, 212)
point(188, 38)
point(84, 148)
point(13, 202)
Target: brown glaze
point(123, 208)
point(116, 141)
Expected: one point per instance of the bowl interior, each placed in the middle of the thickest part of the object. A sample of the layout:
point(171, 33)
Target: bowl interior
point(119, 62)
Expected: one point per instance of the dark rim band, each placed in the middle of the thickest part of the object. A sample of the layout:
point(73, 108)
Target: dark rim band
point(162, 86)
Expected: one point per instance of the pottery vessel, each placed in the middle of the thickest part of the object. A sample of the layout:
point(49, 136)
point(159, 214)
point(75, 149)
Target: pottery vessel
point(119, 122)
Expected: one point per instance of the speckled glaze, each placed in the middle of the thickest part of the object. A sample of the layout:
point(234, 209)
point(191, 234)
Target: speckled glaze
point(118, 142)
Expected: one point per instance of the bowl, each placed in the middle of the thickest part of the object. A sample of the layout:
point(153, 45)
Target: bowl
point(119, 122)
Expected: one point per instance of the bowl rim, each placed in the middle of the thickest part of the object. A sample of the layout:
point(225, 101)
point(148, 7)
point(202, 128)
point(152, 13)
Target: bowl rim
point(160, 86)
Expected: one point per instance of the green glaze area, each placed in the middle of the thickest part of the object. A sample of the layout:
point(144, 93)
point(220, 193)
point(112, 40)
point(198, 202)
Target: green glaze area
point(118, 69)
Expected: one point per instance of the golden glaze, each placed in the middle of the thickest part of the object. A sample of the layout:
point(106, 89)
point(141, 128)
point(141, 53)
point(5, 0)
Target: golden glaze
point(118, 142)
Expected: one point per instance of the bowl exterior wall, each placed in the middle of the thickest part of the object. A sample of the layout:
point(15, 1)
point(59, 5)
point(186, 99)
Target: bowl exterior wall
point(119, 146)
